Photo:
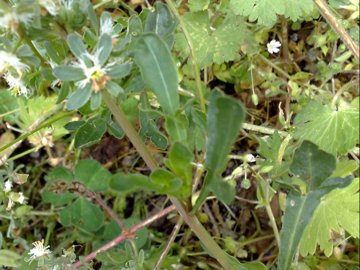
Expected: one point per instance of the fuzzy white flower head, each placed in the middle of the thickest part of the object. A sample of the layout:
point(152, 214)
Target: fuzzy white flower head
point(16, 85)
point(10, 19)
point(273, 46)
point(9, 60)
point(39, 250)
point(7, 186)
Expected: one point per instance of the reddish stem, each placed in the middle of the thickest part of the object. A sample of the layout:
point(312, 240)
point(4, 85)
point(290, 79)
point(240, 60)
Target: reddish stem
point(124, 235)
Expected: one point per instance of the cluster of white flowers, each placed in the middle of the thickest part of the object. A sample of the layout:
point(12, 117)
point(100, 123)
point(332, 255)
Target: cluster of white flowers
point(13, 197)
point(12, 69)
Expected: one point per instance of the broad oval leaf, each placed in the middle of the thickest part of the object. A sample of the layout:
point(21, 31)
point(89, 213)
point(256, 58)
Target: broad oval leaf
point(92, 175)
point(83, 215)
point(79, 98)
point(158, 70)
point(312, 164)
point(90, 133)
point(68, 73)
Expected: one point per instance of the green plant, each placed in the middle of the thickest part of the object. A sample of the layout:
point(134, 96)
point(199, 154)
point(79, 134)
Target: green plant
point(187, 87)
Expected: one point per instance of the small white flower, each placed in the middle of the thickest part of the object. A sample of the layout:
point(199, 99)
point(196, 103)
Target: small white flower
point(16, 85)
point(21, 198)
point(10, 60)
point(273, 46)
point(250, 158)
point(39, 250)
point(8, 186)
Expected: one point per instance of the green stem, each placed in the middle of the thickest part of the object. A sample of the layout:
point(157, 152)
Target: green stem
point(276, 67)
point(130, 131)
point(213, 248)
point(273, 223)
point(264, 130)
point(196, 69)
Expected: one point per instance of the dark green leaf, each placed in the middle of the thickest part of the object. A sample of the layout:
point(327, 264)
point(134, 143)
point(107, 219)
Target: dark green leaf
point(158, 70)
point(130, 182)
point(312, 165)
point(225, 117)
point(68, 73)
point(82, 214)
point(74, 125)
point(92, 175)
point(90, 133)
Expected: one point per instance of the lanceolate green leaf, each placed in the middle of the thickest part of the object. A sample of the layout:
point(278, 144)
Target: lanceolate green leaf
point(312, 165)
point(104, 48)
point(68, 73)
point(77, 47)
point(298, 213)
point(225, 117)
point(158, 70)
point(160, 21)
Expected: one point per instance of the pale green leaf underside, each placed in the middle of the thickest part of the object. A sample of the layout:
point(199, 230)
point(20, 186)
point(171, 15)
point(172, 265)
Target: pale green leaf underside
point(335, 131)
point(337, 210)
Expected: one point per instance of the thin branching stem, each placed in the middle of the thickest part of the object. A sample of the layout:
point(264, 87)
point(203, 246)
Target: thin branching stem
point(337, 27)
